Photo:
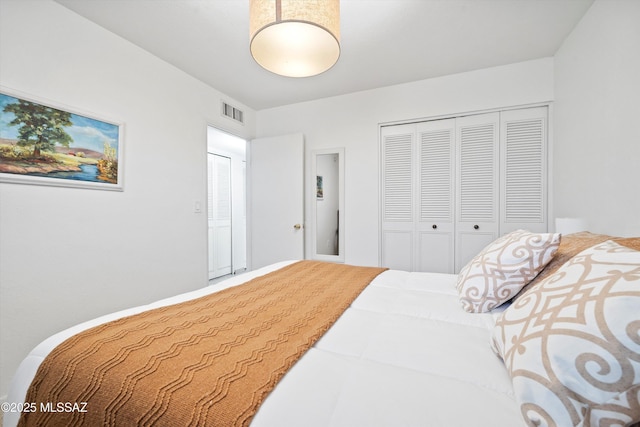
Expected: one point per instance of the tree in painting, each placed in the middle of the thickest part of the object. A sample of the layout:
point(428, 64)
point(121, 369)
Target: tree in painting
point(41, 127)
point(108, 165)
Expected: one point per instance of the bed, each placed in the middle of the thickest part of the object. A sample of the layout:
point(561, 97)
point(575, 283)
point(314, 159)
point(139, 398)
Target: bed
point(422, 349)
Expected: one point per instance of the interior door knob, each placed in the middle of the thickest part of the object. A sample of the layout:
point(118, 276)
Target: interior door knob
point(475, 227)
point(297, 226)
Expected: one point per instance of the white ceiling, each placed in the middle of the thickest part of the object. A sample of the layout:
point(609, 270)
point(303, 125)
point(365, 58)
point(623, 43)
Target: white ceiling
point(383, 42)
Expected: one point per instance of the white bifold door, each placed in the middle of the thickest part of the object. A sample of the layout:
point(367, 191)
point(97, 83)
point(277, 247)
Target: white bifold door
point(219, 216)
point(452, 186)
point(418, 196)
point(477, 185)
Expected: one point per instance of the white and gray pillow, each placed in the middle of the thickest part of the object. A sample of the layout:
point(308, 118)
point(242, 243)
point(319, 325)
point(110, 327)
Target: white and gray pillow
point(571, 343)
point(503, 268)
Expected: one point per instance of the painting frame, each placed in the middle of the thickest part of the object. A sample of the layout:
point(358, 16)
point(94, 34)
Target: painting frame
point(319, 187)
point(83, 165)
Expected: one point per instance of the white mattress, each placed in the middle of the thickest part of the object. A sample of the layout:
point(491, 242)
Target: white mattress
point(403, 354)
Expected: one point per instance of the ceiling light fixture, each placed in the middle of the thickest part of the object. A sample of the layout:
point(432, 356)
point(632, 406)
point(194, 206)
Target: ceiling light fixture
point(295, 38)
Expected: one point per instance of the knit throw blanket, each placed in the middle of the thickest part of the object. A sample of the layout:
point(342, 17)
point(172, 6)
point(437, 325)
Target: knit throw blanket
point(209, 361)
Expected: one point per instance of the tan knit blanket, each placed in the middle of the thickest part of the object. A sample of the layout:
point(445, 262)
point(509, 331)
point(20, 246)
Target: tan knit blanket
point(209, 361)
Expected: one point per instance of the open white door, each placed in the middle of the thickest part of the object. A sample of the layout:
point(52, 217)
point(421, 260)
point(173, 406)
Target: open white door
point(276, 209)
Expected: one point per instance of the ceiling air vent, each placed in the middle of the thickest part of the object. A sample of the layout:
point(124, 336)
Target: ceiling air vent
point(232, 112)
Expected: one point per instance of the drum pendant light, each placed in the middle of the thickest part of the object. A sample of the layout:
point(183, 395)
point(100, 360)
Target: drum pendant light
point(295, 38)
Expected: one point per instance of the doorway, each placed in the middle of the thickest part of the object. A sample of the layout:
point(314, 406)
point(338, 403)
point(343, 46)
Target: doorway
point(226, 210)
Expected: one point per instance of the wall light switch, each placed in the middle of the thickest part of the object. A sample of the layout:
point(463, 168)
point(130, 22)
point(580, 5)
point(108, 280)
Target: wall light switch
point(197, 206)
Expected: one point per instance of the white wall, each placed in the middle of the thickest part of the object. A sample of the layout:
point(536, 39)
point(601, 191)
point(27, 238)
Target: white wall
point(597, 114)
point(68, 255)
point(352, 121)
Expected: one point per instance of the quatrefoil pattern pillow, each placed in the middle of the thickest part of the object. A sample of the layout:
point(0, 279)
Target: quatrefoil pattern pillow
point(503, 268)
point(571, 344)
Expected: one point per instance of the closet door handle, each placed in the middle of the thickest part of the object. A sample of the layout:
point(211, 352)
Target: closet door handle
point(475, 227)
point(434, 226)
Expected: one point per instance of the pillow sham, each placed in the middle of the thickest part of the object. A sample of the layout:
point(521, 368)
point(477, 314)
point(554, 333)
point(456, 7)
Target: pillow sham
point(503, 268)
point(571, 245)
point(571, 344)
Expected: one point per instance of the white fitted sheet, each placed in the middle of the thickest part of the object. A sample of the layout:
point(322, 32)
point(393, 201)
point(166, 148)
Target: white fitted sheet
point(404, 354)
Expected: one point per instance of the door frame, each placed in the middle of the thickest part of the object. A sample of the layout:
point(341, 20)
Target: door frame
point(227, 150)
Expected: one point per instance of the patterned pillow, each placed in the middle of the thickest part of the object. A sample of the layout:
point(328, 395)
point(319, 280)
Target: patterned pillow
point(571, 245)
point(503, 268)
point(571, 344)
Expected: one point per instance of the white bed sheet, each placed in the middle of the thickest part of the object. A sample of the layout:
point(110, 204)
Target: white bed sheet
point(403, 354)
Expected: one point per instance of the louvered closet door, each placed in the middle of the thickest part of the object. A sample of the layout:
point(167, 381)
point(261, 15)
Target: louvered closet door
point(523, 144)
point(397, 196)
point(435, 217)
point(477, 178)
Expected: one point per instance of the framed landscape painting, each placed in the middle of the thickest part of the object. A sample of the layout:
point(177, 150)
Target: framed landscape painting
point(46, 145)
